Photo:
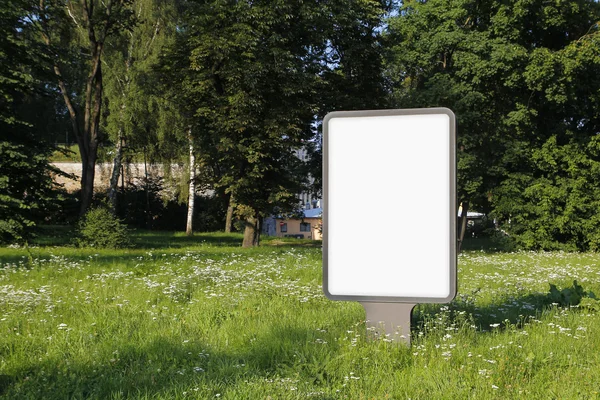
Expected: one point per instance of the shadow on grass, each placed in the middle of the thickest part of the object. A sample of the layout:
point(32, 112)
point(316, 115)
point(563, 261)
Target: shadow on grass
point(161, 239)
point(129, 370)
point(493, 244)
point(54, 235)
point(166, 368)
point(290, 242)
point(63, 235)
point(510, 311)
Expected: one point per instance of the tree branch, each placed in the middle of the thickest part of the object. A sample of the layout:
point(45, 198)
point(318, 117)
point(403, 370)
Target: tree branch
point(149, 46)
point(71, 14)
point(45, 33)
point(88, 12)
point(109, 21)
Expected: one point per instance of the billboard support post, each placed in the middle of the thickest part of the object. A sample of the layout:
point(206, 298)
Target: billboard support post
point(389, 321)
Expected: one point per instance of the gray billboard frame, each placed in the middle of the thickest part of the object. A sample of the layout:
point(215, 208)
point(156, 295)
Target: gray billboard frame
point(451, 195)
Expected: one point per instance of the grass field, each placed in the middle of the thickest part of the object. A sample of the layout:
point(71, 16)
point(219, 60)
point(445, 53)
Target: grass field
point(202, 318)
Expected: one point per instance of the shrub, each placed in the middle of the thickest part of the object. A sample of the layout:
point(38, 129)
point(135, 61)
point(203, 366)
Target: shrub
point(100, 228)
point(572, 296)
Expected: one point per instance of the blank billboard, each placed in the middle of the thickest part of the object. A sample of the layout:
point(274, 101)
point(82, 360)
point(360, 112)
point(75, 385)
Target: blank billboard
point(389, 218)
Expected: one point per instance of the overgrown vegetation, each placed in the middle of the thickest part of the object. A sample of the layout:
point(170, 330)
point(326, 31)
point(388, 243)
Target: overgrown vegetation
point(200, 317)
point(574, 295)
point(26, 186)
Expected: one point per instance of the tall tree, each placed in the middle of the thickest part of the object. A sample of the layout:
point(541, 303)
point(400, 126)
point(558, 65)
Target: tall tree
point(256, 73)
point(86, 25)
point(554, 204)
point(133, 106)
point(245, 73)
point(177, 129)
point(499, 66)
point(26, 186)
point(353, 73)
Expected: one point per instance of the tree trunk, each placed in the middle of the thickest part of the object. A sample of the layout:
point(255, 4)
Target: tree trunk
point(118, 159)
point(146, 188)
point(251, 231)
point(114, 178)
point(87, 138)
point(88, 135)
point(91, 129)
point(463, 224)
point(192, 189)
point(229, 217)
point(87, 180)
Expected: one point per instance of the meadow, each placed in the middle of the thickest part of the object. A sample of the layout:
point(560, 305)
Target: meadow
point(202, 318)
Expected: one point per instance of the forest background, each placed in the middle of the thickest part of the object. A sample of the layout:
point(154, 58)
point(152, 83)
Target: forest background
point(230, 90)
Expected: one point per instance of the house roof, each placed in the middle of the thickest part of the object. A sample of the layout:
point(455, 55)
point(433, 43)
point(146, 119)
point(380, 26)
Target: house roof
point(313, 213)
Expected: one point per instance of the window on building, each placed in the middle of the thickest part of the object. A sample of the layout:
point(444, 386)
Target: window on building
point(283, 226)
point(304, 227)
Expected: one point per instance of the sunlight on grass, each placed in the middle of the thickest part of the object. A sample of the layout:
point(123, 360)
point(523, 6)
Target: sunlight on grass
point(66, 154)
point(211, 320)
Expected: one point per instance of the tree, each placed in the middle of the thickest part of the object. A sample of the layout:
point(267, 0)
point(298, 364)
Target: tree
point(176, 127)
point(25, 174)
point(85, 25)
point(353, 73)
point(499, 66)
point(244, 78)
point(555, 205)
point(133, 106)
point(256, 73)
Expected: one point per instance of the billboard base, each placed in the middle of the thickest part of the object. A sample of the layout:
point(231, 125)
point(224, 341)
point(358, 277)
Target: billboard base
point(388, 321)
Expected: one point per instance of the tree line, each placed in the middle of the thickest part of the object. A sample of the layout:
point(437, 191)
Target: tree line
point(231, 88)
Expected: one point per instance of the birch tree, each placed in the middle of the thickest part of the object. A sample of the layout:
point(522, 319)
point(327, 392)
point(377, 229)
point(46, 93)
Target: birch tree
point(133, 104)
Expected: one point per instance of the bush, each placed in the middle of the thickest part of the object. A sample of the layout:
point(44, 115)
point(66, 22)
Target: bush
point(573, 296)
point(100, 228)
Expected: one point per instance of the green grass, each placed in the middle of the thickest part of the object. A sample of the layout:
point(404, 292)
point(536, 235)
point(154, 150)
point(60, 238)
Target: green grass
point(70, 155)
point(201, 318)
point(62, 235)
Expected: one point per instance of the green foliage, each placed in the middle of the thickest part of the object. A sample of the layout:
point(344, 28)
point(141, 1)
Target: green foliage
point(250, 77)
point(590, 303)
point(100, 228)
point(144, 205)
point(522, 79)
point(253, 75)
point(26, 187)
point(135, 109)
point(74, 35)
point(251, 81)
point(573, 296)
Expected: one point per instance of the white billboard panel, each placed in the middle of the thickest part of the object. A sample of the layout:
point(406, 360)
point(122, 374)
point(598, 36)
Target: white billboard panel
point(389, 222)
